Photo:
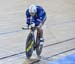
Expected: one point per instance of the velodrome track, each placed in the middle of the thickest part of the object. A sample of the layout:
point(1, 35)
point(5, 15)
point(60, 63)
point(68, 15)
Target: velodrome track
point(59, 30)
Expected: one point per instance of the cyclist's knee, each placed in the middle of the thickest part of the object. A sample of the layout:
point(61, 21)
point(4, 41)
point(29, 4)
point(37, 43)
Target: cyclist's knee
point(39, 29)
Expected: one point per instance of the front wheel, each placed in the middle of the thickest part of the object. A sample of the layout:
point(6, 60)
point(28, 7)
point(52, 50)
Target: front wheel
point(29, 46)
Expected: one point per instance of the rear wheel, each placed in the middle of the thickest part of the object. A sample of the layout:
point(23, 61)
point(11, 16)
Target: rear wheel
point(29, 46)
point(38, 46)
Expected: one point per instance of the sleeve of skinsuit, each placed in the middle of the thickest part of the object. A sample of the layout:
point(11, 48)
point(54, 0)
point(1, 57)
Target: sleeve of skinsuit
point(27, 17)
point(41, 14)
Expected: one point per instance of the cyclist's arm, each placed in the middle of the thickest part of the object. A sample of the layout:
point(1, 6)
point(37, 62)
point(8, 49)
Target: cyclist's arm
point(27, 17)
point(41, 17)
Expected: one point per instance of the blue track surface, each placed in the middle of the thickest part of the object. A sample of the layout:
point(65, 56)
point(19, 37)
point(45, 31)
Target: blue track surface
point(65, 60)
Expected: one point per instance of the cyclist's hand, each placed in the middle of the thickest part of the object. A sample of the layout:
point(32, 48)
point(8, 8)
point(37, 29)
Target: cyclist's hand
point(25, 27)
point(32, 24)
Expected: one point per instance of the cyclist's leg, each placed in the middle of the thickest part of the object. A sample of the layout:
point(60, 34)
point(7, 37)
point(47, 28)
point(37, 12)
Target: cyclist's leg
point(40, 31)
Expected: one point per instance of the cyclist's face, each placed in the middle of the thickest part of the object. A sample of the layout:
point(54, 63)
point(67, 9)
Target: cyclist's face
point(32, 14)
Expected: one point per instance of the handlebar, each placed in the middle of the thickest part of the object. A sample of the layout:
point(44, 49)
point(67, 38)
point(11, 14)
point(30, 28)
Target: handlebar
point(23, 28)
point(32, 28)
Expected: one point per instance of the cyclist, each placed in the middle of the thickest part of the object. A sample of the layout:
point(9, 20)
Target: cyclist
point(36, 16)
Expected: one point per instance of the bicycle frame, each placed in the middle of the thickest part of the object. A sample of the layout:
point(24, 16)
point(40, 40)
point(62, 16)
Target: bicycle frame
point(31, 44)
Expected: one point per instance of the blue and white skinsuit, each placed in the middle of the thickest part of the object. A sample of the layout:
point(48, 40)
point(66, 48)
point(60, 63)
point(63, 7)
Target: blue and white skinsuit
point(40, 16)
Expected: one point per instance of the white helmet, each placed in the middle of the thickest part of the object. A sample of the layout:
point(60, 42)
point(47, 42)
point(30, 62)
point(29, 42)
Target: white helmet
point(32, 9)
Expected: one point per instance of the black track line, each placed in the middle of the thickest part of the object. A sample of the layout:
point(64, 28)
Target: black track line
point(44, 47)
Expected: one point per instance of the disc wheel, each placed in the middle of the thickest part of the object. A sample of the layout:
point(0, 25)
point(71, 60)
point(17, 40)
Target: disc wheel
point(38, 46)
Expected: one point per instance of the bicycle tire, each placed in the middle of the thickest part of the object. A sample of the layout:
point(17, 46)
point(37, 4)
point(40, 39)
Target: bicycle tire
point(28, 43)
point(38, 46)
